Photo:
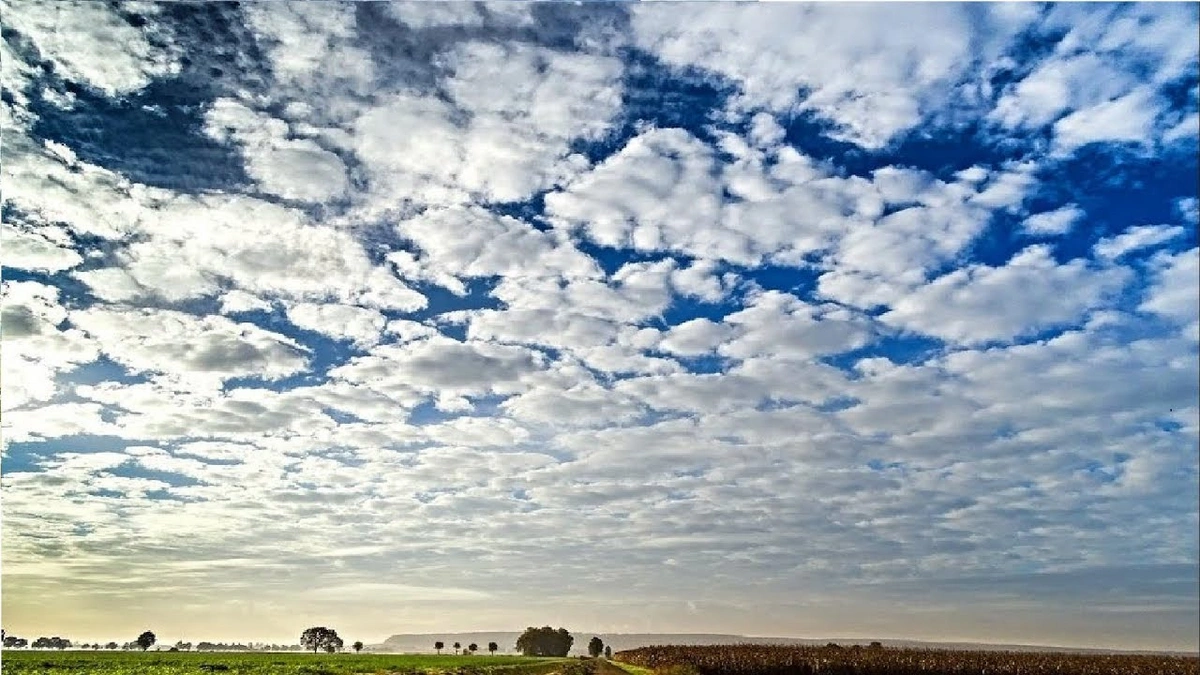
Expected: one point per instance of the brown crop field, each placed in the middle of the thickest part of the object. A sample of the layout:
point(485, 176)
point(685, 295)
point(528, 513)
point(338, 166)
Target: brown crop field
point(751, 659)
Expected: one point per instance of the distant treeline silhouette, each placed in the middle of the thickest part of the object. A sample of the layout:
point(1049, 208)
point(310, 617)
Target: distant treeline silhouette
point(545, 641)
point(14, 642)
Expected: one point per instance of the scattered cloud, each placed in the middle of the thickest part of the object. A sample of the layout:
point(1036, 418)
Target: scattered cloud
point(503, 288)
point(1136, 238)
point(1054, 223)
point(1030, 293)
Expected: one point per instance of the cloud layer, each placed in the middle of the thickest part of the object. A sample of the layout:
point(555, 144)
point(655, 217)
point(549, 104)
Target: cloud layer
point(768, 319)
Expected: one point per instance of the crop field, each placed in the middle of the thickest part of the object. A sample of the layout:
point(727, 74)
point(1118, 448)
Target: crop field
point(800, 660)
point(233, 663)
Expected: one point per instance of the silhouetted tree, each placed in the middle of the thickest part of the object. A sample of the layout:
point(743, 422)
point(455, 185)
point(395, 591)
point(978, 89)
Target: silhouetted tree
point(472, 648)
point(112, 645)
point(457, 647)
point(545, 641)
point(595, 647)
point(358, 645)
point(439, 646)
point(492, 647)
point(320, 637)
point(146, 640)
point(607, 652)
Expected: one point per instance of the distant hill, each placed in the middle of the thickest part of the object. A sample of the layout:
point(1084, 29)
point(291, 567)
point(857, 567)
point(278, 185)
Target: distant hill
point(406, 642)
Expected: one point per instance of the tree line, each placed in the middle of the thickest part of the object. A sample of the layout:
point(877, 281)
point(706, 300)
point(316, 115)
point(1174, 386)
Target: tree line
point(143, 642)
point(544, 641)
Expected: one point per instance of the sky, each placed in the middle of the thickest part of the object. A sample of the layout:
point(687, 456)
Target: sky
point(829, 320)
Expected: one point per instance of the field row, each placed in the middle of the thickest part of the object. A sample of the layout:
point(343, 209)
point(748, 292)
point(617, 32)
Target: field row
point(835, 660)
point(232, 663)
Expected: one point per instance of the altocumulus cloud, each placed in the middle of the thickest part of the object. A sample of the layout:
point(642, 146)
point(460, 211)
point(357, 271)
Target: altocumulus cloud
point(762, 319)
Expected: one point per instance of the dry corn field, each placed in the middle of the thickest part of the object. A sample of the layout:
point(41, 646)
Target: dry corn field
point(800, 660)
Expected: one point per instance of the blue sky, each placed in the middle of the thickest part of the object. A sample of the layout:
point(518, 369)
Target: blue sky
point(871, 320)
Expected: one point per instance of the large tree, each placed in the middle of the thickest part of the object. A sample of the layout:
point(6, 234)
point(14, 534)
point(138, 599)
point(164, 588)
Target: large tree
point(595, 647)
point(457, 646)
point(439, 646)
point(545, 641)
point(146, 640)
point(51, 643)
point(320, 637)
point(492, 647)
point(472, 647)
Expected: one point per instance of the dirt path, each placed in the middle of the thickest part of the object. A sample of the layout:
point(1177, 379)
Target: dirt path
point(590, 667)
point(604, 667)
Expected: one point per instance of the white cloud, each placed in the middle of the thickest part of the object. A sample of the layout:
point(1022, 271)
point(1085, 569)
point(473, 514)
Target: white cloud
point(1189, 210)
point(503, 134)
point(1058, 86)
point(765, 131)
point(470, 242)
point(699, 280)
point(240, 301)
point(1054, 223)
point(45, 248)
point(633, 293)
point(55, 187)
point(663, 191)
point(1154, 37)
point(1185, 130)
point(38, 345)
point(1007, 189)
point(443, 366)
point(581, 405)
point(201, 350)
point(1030, 293)
point(428, 15)
point(694, 338)
point(55, 421)
point(1175, 293)
point(310, 46)
point(846, 63)
point(191, 243)
point(1136, 238)
point(91, 44)
point(361, 326)
point(1102, 77)
point(781, 325)
point(1128, 119)
point(652, 194)
point(290, 168)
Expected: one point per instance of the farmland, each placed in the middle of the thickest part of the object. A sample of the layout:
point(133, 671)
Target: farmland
point(198, 663)
point(832, 660)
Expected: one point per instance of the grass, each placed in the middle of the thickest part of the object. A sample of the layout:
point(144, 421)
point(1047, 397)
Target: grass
point(233, 663)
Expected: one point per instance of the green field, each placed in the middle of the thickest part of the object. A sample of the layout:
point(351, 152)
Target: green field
point(234, 663)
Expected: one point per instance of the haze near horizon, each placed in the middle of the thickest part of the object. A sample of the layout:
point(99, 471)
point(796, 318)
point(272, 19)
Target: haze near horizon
point(813, 320)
